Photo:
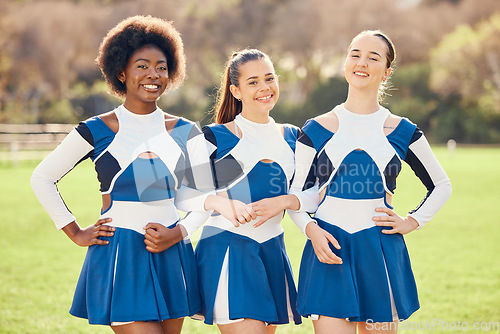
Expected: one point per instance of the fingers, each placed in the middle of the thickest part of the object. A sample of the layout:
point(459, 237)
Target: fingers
point(150, 245)
point(151, 234)
point(393, 226)
point(97, 241)
point(244, 217)
point(101, 230)
point(326, 255)
point(152, 227)
point(384, 222)
point(391, 220)
point(243, 213)
point(257, 208)
point(102, 221)
point(262, 209)
point(151, 237)
point(235, 222)
point(251, 212)
point(152, 249)
point(321, 240)
point(332, 240)
point(260, 222)
point(385, 209)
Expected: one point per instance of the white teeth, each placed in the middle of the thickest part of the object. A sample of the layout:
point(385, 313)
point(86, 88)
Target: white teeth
point(361, 74)
point(151, 86)
point(265, 98)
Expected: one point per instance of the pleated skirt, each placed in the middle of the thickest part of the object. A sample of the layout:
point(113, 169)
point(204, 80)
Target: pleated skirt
point(122, 282)
point(375, 277)
point(260, 282)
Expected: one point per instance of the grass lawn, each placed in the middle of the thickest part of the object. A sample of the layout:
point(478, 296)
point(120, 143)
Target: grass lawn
point(455, 257)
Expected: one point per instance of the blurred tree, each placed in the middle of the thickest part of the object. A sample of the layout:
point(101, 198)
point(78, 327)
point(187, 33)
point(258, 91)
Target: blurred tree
point(467, 62)
point(434, 2)
point(312, 36)
point(47, 52)
point(409, 95)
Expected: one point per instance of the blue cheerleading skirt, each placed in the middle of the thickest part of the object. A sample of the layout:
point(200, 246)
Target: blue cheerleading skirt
point(260, 282)
point(122, 281)
point(359, 289)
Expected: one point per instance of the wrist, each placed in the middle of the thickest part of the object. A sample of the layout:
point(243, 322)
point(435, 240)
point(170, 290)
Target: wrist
point(183, 231)
point(310, 228)
point(71, 229)
point(292, 202)
point(210, 202)
point(412, 222)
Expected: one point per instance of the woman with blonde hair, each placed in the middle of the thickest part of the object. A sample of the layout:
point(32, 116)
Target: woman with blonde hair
point(352, 155)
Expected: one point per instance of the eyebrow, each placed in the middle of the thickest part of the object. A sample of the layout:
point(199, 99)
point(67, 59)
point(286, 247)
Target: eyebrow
point(147, 60)
point(358, 50)
point(255, 77)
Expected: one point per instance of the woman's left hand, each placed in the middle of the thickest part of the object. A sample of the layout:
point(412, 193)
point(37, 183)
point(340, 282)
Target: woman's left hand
point(267, 208)
point(158, 237)
point(399, 224)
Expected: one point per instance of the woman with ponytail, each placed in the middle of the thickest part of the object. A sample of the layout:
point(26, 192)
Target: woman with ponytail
point(246, 281)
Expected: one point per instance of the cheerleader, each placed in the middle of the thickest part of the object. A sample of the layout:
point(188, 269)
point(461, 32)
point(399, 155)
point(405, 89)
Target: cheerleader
point(352, 156)
point(146, 162)
point(246, 281)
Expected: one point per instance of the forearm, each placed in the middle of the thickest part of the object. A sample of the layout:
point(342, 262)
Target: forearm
point(71, 230)
point(212, 202)
point(188, 199)
point(308, 200)
point(290, 202)
point(191, 223)
point(302, 220)
point(427, 168)
point(412, 223)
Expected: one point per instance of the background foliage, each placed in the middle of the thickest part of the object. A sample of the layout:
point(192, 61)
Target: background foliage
point(447, 81)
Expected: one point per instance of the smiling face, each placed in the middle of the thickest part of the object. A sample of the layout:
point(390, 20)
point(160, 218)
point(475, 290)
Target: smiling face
point(257, 89)
point(146, 78)
point(365, 66)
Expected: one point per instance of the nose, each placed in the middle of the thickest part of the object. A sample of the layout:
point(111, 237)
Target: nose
point(153, 73)
point(362, 62)
point(264, 85)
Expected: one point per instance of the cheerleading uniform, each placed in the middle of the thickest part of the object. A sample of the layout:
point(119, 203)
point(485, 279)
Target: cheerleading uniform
point(122, 281)
point(356, 167)
point(245, 271)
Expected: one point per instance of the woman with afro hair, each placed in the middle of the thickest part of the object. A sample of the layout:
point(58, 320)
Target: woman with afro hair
point(149, 164)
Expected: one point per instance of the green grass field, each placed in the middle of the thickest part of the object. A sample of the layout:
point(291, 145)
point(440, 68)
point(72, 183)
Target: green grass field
point(455, 257)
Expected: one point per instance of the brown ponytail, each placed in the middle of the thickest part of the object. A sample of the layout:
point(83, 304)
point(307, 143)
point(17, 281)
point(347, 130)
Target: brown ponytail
point(227, 106)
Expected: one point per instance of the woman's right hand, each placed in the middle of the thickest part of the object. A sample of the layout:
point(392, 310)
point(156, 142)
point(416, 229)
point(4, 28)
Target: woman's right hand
point(235, 211)
point(89, 235)
point(320, 240)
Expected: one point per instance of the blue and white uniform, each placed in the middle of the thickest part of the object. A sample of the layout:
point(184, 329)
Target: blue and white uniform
point(122, 281)
point(245, 271)
point(356, 166)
